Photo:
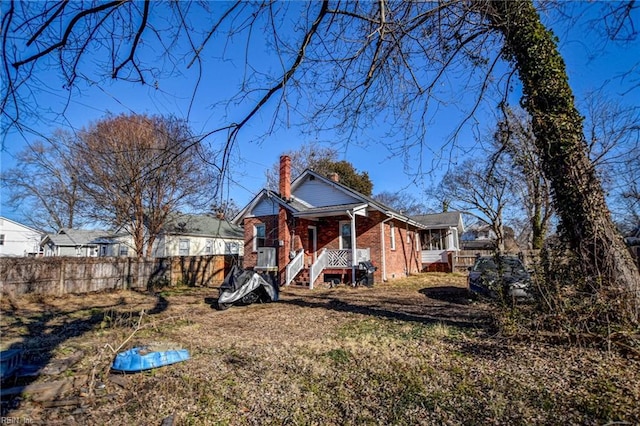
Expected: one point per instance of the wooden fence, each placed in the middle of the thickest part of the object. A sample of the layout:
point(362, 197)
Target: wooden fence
point(62, 275)
point(466, 258)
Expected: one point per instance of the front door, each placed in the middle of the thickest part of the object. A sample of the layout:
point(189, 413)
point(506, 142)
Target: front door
point(312, 243)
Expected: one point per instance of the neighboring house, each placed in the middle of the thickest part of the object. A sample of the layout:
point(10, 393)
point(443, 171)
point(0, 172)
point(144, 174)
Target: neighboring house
point(183, 235)
point(440, 239)
point(18, 240)
point(318, 230)
point(480, 236)
point(79, 243)
point(198, 235)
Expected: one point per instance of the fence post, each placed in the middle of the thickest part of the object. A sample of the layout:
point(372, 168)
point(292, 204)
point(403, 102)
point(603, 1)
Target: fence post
point(61, 278)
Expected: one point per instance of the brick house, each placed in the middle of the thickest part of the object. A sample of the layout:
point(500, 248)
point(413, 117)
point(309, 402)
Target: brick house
point(317, 230)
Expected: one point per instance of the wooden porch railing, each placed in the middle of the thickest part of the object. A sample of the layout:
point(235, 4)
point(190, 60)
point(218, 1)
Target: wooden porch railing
point(295, 266)
point(318, 266)
point(335, 259)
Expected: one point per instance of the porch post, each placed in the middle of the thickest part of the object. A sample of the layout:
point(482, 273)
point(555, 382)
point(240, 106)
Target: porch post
point(354, 260)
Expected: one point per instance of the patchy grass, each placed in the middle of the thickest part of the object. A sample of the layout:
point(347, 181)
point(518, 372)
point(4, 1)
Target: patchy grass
point(414, 351)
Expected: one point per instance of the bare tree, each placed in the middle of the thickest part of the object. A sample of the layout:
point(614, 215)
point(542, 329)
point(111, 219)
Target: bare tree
point(137, 169)
point(359, 62)
point(518, 158)
point(477, 189)
point(613, 136)
point(43, 185)
point(401, 201)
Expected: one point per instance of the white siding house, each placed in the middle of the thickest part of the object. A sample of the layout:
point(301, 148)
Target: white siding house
point(441, 237)
point(17, 239)
point(198, 235)
point(77, 243)
point(182, 235)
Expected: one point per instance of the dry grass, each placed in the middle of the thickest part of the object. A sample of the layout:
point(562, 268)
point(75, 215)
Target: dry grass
point(414, 351)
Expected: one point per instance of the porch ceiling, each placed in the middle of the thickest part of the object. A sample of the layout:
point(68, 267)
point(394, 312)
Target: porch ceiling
point(328, 211)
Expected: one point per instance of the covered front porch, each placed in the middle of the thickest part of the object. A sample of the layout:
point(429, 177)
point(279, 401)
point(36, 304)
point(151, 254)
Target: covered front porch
point(338, 262)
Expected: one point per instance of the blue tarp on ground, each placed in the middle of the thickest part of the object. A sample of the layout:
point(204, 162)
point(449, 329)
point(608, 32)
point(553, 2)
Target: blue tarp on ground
point(141, 358)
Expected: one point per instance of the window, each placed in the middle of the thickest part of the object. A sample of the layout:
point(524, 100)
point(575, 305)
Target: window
point(231, 247)
point(259, 236)
point(345, 235)
point(392, 228)
point(1, 239)
point(435, 239)
point(208, 247)
point(183, 247)
point(124, 250)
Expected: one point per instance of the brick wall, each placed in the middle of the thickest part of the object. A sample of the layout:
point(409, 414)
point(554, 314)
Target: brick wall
point(404, 259)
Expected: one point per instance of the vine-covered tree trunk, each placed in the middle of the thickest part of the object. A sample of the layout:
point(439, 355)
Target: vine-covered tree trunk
point(585, 219)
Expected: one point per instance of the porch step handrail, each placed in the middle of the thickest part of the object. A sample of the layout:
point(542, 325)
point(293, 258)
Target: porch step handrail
point(295, 266)
point(317, 267)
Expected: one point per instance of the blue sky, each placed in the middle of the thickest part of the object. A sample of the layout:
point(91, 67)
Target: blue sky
point(89, 103)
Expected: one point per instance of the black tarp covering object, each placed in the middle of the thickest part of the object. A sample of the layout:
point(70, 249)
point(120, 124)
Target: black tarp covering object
point(245, 287)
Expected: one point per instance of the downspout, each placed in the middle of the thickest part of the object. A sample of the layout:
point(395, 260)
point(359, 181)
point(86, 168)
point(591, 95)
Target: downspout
point(407, 267)
point(384, 249)
point(354, 261)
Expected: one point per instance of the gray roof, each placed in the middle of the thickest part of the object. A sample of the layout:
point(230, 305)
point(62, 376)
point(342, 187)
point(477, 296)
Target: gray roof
point(202, 224)
point(68, 237)
point(358, 195)
point(300, 209)
point(440, 220)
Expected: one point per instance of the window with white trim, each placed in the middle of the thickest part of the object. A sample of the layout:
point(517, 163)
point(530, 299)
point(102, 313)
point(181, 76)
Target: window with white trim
point(345, 236)
point(208, 247)
point(183, 247)
point(392, 230)
point(231, 247)
point(259, 236)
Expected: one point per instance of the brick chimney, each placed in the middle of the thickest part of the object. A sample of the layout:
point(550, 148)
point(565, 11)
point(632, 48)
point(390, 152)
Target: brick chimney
point(285, 177)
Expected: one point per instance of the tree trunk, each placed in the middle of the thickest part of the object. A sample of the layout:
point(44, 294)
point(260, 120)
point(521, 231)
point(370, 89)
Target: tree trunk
point(585, 219)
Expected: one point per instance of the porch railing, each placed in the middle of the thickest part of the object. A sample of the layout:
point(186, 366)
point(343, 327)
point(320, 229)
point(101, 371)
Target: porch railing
point(335, 259)
point(318, 266)
point(295, 266)
point(342, 258)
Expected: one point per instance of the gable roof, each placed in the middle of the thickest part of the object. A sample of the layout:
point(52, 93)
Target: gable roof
point(202, 225)
point(353, 201)
point(68, 237)
point(27, 228)
point(441, 220)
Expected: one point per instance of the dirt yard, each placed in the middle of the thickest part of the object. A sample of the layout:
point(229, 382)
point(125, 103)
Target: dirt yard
point(415, 351)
